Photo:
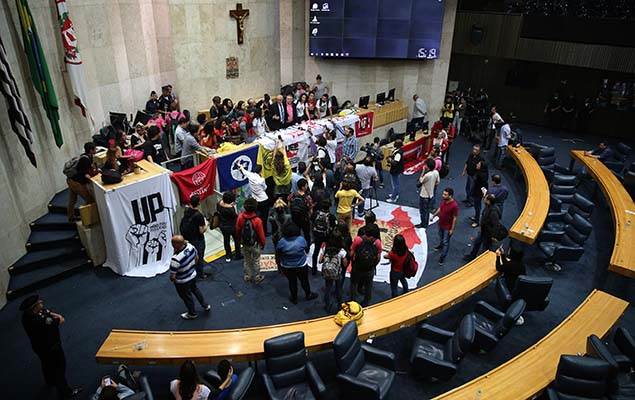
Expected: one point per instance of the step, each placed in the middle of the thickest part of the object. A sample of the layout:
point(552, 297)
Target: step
point(35, 259)
point(52, 221)
point(59, 203)
point(40, 277)
point(41, 240)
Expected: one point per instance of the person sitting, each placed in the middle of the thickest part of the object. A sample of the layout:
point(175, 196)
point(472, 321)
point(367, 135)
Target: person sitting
point(291, 251)
point(117, 387)
point(111, 162)
point(207, 137)
point(227, 377)
point(603, 152)
point(510, 265)
point(188, 386)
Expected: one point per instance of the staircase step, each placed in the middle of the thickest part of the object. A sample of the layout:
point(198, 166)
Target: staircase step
point(41, 258)
point(59, 203)
point(52, 221)
point(38, 278)
point(50, 239)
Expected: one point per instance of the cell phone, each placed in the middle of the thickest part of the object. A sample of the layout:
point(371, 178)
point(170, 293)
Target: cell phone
point(107, 381)
point(483, 190)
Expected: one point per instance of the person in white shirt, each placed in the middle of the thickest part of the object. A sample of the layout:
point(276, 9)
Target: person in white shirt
point(331, 145)
point(428, 180)
point(324, 106)
point(504, 135)
point(419, 113)
point(300, 107)
point(260, 123)
point(367, 176)
point(494, 120)
point(189, 386)
point(258, 192)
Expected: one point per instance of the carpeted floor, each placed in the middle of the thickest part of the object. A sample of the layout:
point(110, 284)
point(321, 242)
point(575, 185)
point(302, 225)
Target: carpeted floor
point(96, 301)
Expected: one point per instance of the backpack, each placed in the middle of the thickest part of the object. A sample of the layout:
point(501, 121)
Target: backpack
point(321, 225)
point(500, 232)
point(410, 266)
point(248, 236)
point(298, 206)
point(331, 267)
point(444, 171)
point(70, 167)
point(186, 226)
point(366, 256)
point(110, 176)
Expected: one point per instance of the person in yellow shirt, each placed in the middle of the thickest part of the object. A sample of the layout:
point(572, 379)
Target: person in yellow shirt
point(281, 171)
point(345, 196)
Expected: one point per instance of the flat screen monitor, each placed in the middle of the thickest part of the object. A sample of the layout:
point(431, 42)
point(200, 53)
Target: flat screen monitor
point(397, 29)
point(363, 101)
point(381, 98)
point(391, 94)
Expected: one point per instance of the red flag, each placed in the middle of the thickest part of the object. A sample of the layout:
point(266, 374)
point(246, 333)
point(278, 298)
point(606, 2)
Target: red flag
point(196, 180)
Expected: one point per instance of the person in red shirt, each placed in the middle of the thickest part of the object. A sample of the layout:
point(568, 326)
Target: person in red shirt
point(250, 233)
point(397, 257)
point(365, 252)
point(448, 213)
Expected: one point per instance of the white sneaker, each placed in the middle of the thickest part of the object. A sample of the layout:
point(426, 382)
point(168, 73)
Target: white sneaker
point(187, 315)
point(228, 260)
point(390, 200)
point(520, 320)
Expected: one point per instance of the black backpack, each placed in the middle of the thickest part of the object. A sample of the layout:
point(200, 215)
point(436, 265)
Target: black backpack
point(298, 206)
point(110, 176)
point(366, 255)
point(322, 225)
point(445, 170)
point(248, 236)
point(326, 160)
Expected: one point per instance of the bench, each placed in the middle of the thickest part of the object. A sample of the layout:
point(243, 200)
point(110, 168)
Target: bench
point(623, 210)
point(530, 372)
point(148, 347)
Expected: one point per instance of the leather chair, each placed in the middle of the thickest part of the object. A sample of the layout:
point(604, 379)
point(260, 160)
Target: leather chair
point(563, 193)
point(629, 183)
point(566, 244)
point(564, 180)
point(622, 152)
point(533, 290)
point(144, 391)
point(579, 378)
point(289, 372)
point(436, 352)
point(620, 384)
point(556, 221)
point(491, 324)
point(364, 372)
point(239, 389)
point(546, 159)
point(625, 343)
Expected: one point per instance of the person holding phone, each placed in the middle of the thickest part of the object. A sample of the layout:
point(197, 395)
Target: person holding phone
point(111, 390)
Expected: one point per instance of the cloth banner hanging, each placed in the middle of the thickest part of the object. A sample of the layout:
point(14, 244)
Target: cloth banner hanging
point(196, 180)
point(364, 126)
point(228, 167)
point(137, 225)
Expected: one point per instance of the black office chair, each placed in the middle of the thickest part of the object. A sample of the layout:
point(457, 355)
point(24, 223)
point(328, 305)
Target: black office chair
point(364, 372)
point(546, 159)
point(289, 372)
point(563, 193)
point(620, 383)
point(556, 221)
point(436, 353)
point(629, 183)
point(579, 378)
point(237, 390)
point(491, 324)
point(622, 152)
point(565, 180)
point(565, 245)
point(625, 344)
point(533, 290)
point(143, 392)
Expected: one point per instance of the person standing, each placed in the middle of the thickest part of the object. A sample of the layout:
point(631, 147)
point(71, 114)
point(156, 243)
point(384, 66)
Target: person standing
point(378, 158)
point(333, 263)
point(290, 112)
point(320, 87)
point(323, 224)
point(345, 197)
point(179, 135)
point(297, 175)
point(249, 230)
point(189, 146)
point(351, 145)
point(504, 134)
point(447, 112)
point(277, 114)
point(258, 188)
point(301, 207)
point(398, 256)
point(291, 251)
point(42, 326)
point(470, 169)
point(281, 171)
point(490, 219)
point(152, 105)
point(499, 191)
point(396, 168)
point(278, 218)
point(448, 213)
point(367, 176)
point(428, 181)
point(479, 189)
point(227, 216)
point(193, 227)
point(79, 180)
point(183, 275)
point(419, 113)
point(494, 121)
point(365, 251)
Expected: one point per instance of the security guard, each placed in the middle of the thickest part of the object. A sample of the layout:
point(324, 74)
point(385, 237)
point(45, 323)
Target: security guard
point(42, 327)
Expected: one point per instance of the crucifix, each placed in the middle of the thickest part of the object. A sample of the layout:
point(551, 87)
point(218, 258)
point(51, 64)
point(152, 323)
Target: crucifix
point(239, 14)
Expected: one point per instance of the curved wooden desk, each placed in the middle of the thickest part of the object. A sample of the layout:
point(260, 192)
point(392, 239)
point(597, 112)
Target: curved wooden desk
point(530, 372)
point(530, 221)
point(146, 347)
point(623, 210)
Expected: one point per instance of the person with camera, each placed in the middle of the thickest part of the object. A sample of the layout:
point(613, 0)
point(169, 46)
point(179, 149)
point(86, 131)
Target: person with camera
point(396, 163)
point(367, 177)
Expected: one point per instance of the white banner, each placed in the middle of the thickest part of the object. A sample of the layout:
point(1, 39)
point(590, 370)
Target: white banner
point(137, 224)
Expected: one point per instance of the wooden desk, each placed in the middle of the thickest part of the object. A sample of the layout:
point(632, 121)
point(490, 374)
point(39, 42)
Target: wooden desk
point(623, 210)
point(530, 372)
point(530, 221)
point(388, 113)
point(247, 344)
point(148, 170)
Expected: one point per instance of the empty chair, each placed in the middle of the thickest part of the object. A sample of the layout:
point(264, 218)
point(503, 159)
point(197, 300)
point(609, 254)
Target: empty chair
point(564, 180)
point(563, 193)
point(556, 221)
point(546, 159)
point(583, 378)
point(533, 290)
point(289, 372)
point(629, 183)
point(620, 384)
point(238, 389)
point(364, 372)
point(437, 352)
point(491, 324)
point(566, 244)
point(625, 344)
point(622, 152)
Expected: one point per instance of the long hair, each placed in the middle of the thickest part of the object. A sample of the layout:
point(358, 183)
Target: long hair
point(188, 379)
point(399, 245)
point(278, 164)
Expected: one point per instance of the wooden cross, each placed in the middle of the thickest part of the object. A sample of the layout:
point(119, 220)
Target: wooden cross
point(239, 14)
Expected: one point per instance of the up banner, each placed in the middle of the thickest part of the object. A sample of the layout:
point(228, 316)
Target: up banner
point(137, 225)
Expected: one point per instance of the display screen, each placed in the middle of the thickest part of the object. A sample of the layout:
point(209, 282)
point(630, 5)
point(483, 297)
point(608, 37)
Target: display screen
point(375, 28)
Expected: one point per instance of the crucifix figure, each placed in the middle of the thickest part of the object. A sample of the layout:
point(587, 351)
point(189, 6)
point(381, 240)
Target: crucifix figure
point(239, 14)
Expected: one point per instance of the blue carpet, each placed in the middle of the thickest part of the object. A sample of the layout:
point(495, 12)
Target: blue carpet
point(96, 301)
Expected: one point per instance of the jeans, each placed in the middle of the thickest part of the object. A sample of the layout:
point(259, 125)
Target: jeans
point(425, 203)
point(366, 195)
point(395, 278)
point(394, 179)
point(481, 240)
point(293, 276)
point(476, 201)
point(332, 285)
point(500, 156)
point(380, 173)
point(227, 244)
point(365, 280)
point(262, 211)
point(185, 291)
point(444, 242)
point(469, 182)
point(251, 264)
point(489, 138)
point(500, 206)
point(199, 245)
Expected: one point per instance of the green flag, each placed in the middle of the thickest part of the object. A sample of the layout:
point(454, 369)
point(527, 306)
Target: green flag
point(39, 70)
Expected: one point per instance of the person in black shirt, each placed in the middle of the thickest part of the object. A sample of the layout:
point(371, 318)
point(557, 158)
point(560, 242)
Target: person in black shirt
point(152, 105)
point(470, 168)
point(193, 227)
point(79, 184)
point(42, 327)
point(510, 265)
point(215, 109)
point(165, 101)
point(227, 217)
point(153, 147)
point(490, 219)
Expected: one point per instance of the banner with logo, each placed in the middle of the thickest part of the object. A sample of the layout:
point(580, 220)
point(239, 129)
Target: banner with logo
point(228, 167)
point(137, 225)
point(364, 126)
point(196, 180)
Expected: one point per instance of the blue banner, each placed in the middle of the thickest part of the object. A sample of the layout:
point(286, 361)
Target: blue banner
point(228, 167)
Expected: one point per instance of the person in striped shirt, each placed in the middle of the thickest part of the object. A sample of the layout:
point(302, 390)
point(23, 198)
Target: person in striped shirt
point(183, 274)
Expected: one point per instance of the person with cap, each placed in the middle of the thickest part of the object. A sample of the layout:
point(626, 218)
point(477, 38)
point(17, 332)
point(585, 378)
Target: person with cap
point(43, 328)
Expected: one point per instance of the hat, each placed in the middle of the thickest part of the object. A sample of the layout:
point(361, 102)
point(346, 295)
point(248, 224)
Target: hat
point(29, 302)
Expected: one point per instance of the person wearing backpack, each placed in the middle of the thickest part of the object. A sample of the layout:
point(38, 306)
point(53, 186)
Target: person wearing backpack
point(301, 207)
point(322, 154)
point(333, 262)
point(365, 252)
point(78, 172)
point(193, 227)
point(251, 234)
point(396, 163)
point(323, 224)
point(398, 257)
point(291, 250)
